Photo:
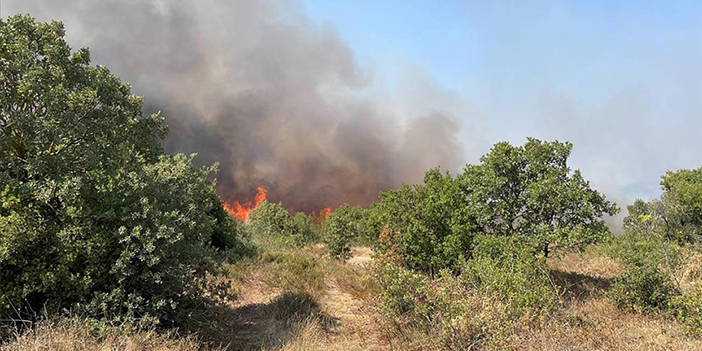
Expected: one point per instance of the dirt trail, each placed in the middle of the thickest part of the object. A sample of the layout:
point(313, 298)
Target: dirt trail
point(361, 256)
point(261, 318)
point(357, 326)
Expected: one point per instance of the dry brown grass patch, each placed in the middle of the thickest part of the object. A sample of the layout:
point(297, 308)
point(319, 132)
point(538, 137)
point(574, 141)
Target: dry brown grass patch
point(73, 336)
point(598, 325)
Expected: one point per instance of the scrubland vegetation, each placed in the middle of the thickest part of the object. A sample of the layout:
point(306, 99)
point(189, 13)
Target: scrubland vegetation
point(106, 242)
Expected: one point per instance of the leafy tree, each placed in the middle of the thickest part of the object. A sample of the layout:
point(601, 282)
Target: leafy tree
point(92, 213)
point(434, 227)
point(530, 191)
point(660, 237)
point(271, 218)
point(273, 221)
point(346, 224)
point(639, 216)
point(677, 215)
point(684, 188)
point(682, 192)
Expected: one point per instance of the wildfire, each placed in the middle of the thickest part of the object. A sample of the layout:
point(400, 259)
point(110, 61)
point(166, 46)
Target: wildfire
point(240, 211)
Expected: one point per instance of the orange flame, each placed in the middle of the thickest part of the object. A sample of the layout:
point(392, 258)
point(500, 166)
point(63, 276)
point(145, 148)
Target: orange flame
point(240, 211)
point(322, 215)
point(325, 212)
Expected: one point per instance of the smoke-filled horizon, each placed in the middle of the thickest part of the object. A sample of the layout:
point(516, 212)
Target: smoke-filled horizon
point(275, 100)
point(323, 113)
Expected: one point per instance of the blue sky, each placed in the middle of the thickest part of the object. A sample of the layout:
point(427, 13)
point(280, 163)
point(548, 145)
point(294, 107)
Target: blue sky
point(460, 42)
point(621, 79)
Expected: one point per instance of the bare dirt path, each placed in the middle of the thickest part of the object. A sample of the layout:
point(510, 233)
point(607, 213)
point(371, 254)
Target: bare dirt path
point(267, 318)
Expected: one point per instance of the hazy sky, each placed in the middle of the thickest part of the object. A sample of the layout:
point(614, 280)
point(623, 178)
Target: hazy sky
point(622, 80)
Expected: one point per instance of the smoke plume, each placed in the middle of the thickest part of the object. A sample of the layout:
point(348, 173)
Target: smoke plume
point(276, 99)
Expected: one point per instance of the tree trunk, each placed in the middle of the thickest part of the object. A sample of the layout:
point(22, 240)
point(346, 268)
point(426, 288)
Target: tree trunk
point(546, 251)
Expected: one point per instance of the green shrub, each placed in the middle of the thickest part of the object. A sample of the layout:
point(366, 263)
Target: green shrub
point(128, 247)
point(688, 310)
point(504, 282)
point(406, 294)
point(297, 273)
point(342, 227)
point(428, 224)
point(271, 223)
point(643, 289)
point(230, 237)
point(93, 216)
point(652, 268)
point(304, 227)
point(439, 313)
point(637, 250)
point(507, 269)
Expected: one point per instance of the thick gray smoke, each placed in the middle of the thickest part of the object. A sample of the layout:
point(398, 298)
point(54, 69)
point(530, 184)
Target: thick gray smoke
point(254, 85)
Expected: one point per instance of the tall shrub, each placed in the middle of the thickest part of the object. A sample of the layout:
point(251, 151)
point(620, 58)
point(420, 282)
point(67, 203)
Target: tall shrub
point(93, 215)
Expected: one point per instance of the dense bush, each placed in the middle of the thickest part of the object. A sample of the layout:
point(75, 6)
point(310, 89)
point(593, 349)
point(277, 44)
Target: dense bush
point(634, 250)
point(646, 284)
point(345, 225)
point(406, 294)
point(305, 227)
point(231, 237)
point(442, 313)
point(688, 310)
point(503, 284)
point(505, 268)
point(93, 215)
point(660, 237)
point(272, 222)
point(644, 289)
point(428, 224)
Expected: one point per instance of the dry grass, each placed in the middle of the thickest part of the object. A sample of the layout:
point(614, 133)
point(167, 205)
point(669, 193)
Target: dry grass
point(361, 256)
point(591, 322)
point(72, 336)
point(593, 262)
point(690, 271)
point(596, 324)
point(301, 300)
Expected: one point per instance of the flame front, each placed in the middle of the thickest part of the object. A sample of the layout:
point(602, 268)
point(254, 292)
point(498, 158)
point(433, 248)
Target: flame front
point(325, 213)
point(240, 211)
